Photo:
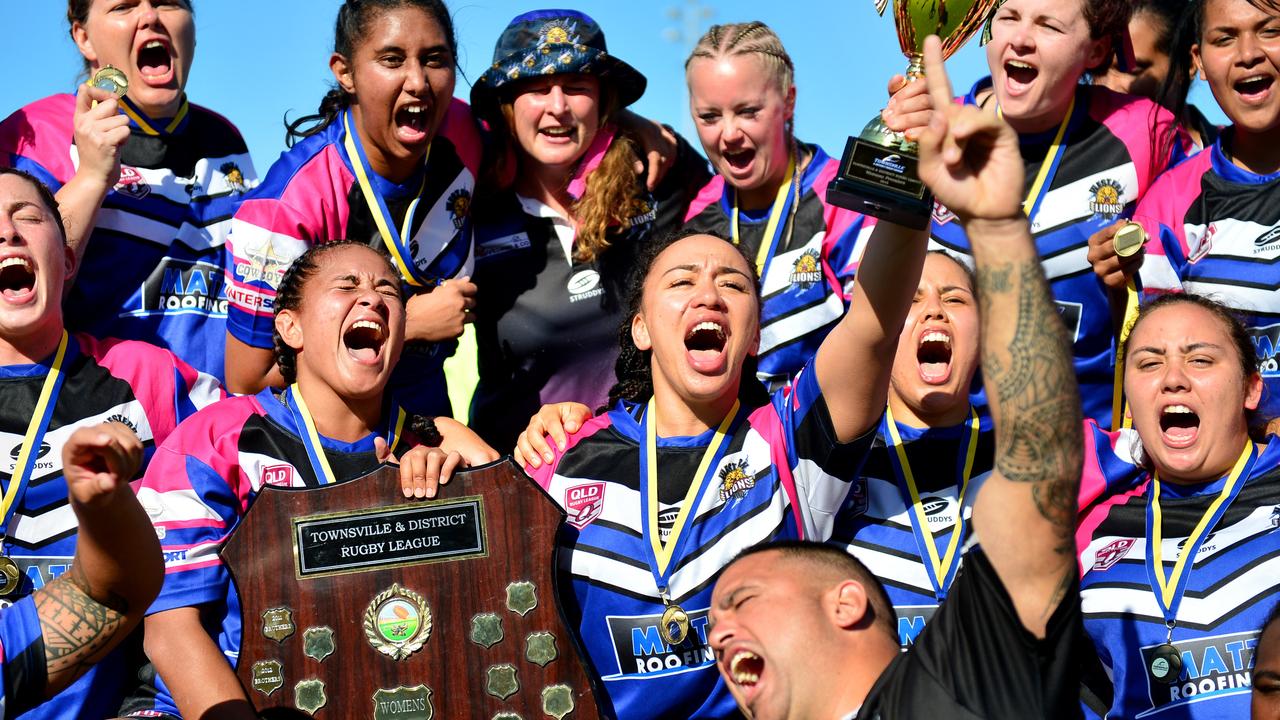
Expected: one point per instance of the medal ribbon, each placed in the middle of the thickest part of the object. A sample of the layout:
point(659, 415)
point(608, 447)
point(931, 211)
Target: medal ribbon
point(941, 571)
point(149, 126)
point(306, 426)
point(1169, 592)
point(649, 487)
point(31, 442)
point(1049, 168)
point(788, 195)
point(396, 243)
point(1119, 418)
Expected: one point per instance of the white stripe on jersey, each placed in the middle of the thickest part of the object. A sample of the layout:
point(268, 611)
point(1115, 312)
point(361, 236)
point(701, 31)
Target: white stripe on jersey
point(196, 554)
point(213, 235)
point(204, 391)
point(36, 530)
point(127, 223)
point(438, 229)
point(1262, 300)
point(895, 569)
point(824, 494)
point(779, 277)
point(1157, 273)
point(782, 330)
point(1070, 203)
point(1232, 238)
point(182, 505)
point(259, 469)
point(210, 177)
point(1067, 263)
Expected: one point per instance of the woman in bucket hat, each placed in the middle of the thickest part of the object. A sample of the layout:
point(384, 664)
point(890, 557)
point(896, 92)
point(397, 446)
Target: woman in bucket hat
point(560, 214)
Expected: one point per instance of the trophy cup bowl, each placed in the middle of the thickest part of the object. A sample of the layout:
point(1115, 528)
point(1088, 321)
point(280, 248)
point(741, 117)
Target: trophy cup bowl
point(878, 170)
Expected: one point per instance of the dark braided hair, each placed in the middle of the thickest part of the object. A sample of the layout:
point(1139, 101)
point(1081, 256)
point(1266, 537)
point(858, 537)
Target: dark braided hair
point(354, 19)
point(289, 296)
point(633, 371)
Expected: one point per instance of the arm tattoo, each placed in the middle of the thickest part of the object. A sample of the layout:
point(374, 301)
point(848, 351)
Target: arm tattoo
point(1038, 437)
point(76, 627)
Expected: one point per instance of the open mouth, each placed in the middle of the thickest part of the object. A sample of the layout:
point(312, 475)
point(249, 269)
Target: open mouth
point(739, 159)
point(558, 132)
point(155, 59)
point(17, 278)
point(1255, 87)
point(706, 338)
point(412, 122)
point(1180, 425)
point(1020, 73)
point(934, 357)
point(364, 341)
point(745, 668)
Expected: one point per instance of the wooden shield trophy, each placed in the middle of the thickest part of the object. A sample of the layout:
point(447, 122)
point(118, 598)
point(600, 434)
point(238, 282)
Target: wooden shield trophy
point(359, 604)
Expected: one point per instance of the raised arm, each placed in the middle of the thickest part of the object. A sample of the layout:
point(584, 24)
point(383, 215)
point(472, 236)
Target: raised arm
point(1025, 513)
point(100, 134)
point(117, 569)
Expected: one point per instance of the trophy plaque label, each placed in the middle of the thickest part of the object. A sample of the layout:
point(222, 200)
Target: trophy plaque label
point(890, 169)
point(403, 703)
point(367, 539)
point(309, 696)
point(317, 643)
point(268, 676)
point(277, 623)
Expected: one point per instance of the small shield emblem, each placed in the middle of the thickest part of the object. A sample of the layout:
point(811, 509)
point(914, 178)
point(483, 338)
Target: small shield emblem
point(317, 642)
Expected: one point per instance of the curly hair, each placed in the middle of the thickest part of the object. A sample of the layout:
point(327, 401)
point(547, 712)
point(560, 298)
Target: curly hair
point(633, 368)
point(749, 38)
point(355, 17)
point(289, 296)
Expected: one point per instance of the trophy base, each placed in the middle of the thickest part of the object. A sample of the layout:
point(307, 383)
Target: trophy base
point(878, 178)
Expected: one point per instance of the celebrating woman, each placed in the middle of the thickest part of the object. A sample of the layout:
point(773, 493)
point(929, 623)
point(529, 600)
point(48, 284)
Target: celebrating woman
point(147, 176)
point(907, 517)
point(389, 160)
point(560, 217)
point(340, 319)
point(1179, 555)
point(1090, 155)
point(769, 194)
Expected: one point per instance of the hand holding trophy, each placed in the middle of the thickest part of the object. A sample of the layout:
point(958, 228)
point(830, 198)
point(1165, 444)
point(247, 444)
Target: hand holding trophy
point(878, 170)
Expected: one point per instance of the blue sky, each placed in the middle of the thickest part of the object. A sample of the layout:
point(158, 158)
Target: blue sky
point(259, 59)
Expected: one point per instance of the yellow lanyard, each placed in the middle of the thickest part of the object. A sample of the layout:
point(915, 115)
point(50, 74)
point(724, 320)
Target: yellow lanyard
point(1120, 418)
point(663, 552)
point(1169, 589)
point(1051, 160)
point(145, 125)
point(378, 208)
point(942, 569)
point(769, 242)
point(311, 437)
point(24, 465)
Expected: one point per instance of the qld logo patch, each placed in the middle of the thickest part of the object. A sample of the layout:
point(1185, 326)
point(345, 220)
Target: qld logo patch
point(1112, 553)
point(131, 183)
point(1202, 248)
point(735, 480)
point(1106, 198)
point(806, 270)
point(278, 475)
point(584, 503)
point(941, 215)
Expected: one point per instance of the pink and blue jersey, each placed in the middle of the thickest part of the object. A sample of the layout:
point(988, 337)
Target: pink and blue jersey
point(1214, 229)
point(153, 266)
point(139, 385)
point(202, 481)
point(311, 195)
point(1233, 582)
point(1115, 146)
point(779, 475)
point(877, 524)
point(806, 283)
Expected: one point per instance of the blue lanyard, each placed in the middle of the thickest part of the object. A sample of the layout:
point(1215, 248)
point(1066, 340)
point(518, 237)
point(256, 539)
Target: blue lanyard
point(34, 437)
point(306, 428)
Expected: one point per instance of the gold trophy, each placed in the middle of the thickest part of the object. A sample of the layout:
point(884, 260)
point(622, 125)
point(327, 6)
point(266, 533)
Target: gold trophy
point(878, 171)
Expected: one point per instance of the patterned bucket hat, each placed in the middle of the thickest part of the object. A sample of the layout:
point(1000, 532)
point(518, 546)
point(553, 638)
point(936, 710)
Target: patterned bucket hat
point(552, 42)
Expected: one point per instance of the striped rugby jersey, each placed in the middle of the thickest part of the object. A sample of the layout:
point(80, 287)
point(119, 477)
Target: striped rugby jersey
point(1233, 583)
point(22, 659)
point(875, 523)
point(311, 195)
point(1110, 161)
point(1214, 229)
point(779, 476)
point(139, 385)
point(807, 286)
point(153, 267)
point(203, 479)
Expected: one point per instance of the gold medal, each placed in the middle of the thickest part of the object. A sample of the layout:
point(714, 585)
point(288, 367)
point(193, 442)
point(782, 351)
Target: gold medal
point(1129, 239)
point(111, 79)
point(674, 625)
point(10, 576)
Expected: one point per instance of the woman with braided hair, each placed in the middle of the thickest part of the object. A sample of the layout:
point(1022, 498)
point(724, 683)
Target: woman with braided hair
point(339, 330)
point(769, 194)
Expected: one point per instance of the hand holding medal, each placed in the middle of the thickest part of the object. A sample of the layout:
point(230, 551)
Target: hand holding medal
point(100, 129)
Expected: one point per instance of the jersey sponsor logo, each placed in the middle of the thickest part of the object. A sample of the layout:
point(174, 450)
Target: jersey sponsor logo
point(1112, 553)
point(1266, 343)
point(504, 244)
point(911, 621)
point(667, 521)
point(938, 511)
point(132, 183)
point(1202, 248)
point(641, 652)
point(1212, 667)
point(124, 420)
point(263, 265)
point(584, 503)
point(280, 475)
point(1206, 545)
point(941, 215)
point(806, 270)
point(459, 207)
point(1106, 198)
point(1070, 313)
point(40, 570)
point(735, 480)
point(584, 285)
point(1268, 240)
point(181, 287)
point(41, 465)
point(249, 299)
point(233, 175)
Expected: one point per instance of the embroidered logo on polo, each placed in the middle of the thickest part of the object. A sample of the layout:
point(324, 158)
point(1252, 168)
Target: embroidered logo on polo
point(641, 651)
point(1106, 200)
point(1212, 667)
point(807, 269)
point(584, 285)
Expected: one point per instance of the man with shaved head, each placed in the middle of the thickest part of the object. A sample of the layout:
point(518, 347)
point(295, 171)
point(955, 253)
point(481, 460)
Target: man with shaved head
point(805, 632)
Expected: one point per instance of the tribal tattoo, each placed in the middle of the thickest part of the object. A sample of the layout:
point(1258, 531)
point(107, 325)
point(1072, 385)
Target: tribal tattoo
point(1039, 437)
point(77, 628)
